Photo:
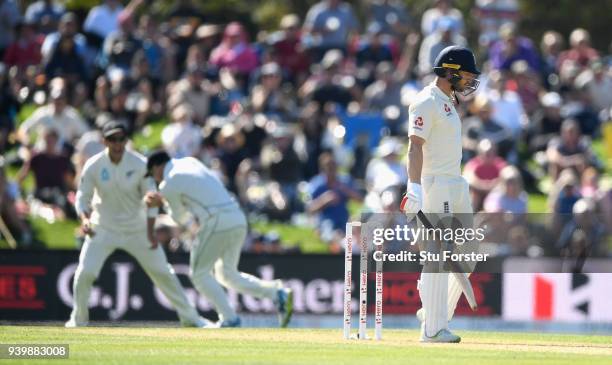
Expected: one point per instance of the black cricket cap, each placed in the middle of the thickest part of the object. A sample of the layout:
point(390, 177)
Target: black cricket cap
point(156, 158)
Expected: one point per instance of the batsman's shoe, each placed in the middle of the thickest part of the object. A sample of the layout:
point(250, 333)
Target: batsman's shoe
point(74, 324)
point(443, 336)
point(284, 303)
point(200, 323)
point(232, 323)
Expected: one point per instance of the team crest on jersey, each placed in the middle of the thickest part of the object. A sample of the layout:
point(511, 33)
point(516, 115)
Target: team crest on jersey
point(129, 173)
point(105, 176)
point(418, 123)
point(447, 109)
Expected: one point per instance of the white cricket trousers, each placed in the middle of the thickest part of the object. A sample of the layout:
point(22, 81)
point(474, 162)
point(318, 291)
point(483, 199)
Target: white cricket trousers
point(96, 250)
point(218, 249)
point(439, 291)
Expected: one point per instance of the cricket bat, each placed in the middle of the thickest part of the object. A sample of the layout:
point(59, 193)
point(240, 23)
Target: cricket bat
point(460, 275)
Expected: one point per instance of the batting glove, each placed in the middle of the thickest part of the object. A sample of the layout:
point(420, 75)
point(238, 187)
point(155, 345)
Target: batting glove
point(412, 202)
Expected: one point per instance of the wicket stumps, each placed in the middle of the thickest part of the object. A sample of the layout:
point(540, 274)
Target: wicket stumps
point(363, 284)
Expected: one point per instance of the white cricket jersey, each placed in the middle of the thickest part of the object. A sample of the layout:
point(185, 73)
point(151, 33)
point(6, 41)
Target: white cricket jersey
point(114, 193)
point(432, 116)
point(191, 187)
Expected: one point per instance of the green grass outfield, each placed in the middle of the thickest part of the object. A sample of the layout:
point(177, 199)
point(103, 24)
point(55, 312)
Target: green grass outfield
point(113, 345)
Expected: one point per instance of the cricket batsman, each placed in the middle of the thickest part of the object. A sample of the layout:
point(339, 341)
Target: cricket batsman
point(113, 215)
point(192, 191)
point(435, 183)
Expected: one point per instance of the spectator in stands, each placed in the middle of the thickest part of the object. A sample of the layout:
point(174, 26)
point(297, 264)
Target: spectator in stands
point(385, 96)
point(311, 123)
point(582, 237)
point(181, 38)
point(66, 62)
point(596, 82)
point(446, 35)
point(507, 105)
point(256, 129)
point(506, 208)
point(9, 16)
point(101, 21)
point(591, 189)
point(282, 169)
point(579, 106)
point(384, 172)
point(373, 49)
point(289, 51)
point(562, 197)
point(508, 196)
point(195, 58)
point(546, 121)
point(440, 13)
point(207, 38)
point(67, 28)
point(280, 159)
point(58, 115)
point(581, 53)
point(194, 91)
point(569, 151)
point(143, 86)
point(230, 152)
point(567, 75)
point(121, 45)
point(182, 138)
point(25, 50)
point(526, 83)
point(551, 47)
point(153, 43)
point(102, 95)
point(330, 194)
point(269, 97)
point(482, 126)
point(482, 172)
point(53, 175)
point(330, 24)
point(330, 87)
point(491, 15)
point(390, 15)
point(45, 13)
point(511, 48)
point(234, 52)
point(118, 107)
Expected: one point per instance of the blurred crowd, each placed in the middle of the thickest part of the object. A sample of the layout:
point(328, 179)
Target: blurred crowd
point(306, 123)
